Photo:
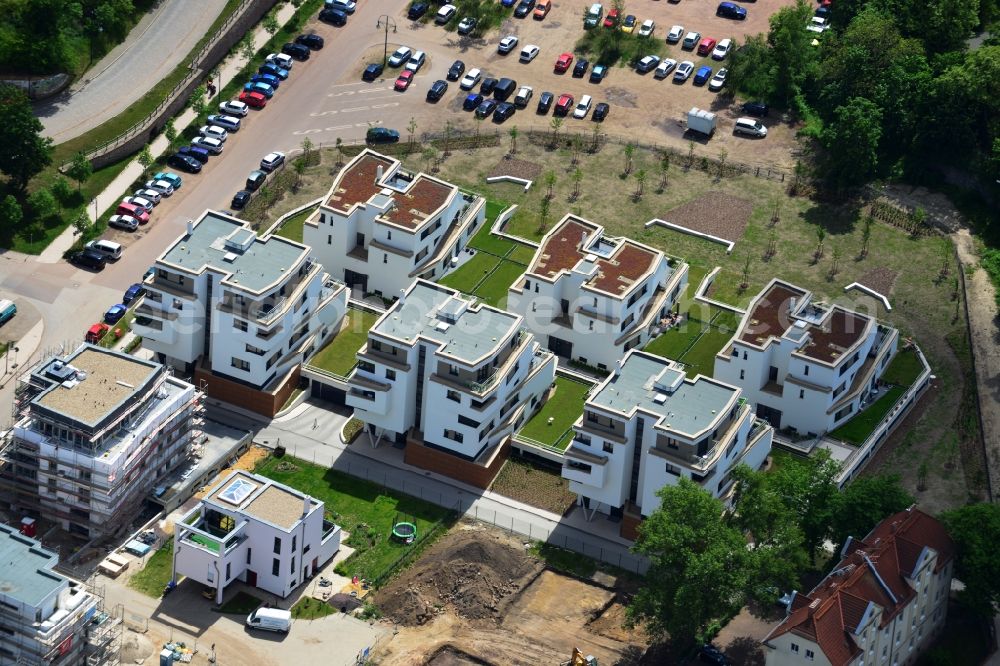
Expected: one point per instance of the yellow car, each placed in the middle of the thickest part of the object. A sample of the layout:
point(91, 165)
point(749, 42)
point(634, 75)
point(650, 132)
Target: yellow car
point(628, 25)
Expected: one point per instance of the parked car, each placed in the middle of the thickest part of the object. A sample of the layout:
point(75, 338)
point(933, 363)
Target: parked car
point(755, 109)
point(706, 46)
point(88, 259)
point(628, 25)
point(683, 71)
point(507, 44)
point(296, 51)
point(563, 105)
point(312, 41)
point(503, 111)
point(417, 10)
point(114, 314)
point(132, 293)
point(702, 76)
point(272, 68)
point(272, 161)
point(750, 127)
point(437, 90)
point(381, 135)
point(818, 24)
point(456, 70)
point(184, 163)
point(505, 88)
point(544, 103)
point(489, 85)
point(228, 123)
point(664, 68)
point(523, 96)
point(161, 186)
point(528, 53)
point(598, 73)
point(346, 6)
point(691, 40)
point(416, 61)
point(214, 131)
point(647, 28)
point(647, 64)
point(713, 655)
point(148, 194)
point(580, 68)
point(171, 178)
point(600, 112)
point(563, 62)
point(372, 71)
point(256, 178)
point(470, 79)
point(582, 107)
point(611, 20)
point(445, 14)
point(400, 56)
point(234, 108)
point(722, 49)
point(524, 8)
point(240, 199)
point(210, 144)
point(731, 10)
point(126, 222)
point(675, 34)
point(253, 99)
point(466, 25)
point(472, 101)
point(333, 17)
point(109, 248)
point(717, 81)
point(259, 87)
point(269, 79)
point(197, 152)
point(542, 9)
point(142, 202)
point(485, 108)
point(282, 60)
point(404, 80)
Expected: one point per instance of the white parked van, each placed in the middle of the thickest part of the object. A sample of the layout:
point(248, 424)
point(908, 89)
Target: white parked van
point(444, 14)
point(750, 127)
point(270, 619)
point(109, 249)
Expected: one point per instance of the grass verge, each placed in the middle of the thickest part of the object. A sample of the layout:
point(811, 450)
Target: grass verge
point(309, 608)
point(242, 603)
point(292, 227)
point(156, 574)
point(339, 355)
point(857, 430)
point(563, 407)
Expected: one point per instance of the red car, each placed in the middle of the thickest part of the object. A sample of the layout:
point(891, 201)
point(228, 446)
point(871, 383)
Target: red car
point(563, 105)
point(138, 212)
point(611, 20)
point(254, 99)
point(563, 62)
point(404, 80)
point(706, 46)
point(96, 332)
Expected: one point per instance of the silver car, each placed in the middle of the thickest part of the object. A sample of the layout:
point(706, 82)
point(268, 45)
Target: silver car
point(126, 222)
point(209, 143)
point(214, 131)
point(161, 186)
point(141, 202)
point(151, 195)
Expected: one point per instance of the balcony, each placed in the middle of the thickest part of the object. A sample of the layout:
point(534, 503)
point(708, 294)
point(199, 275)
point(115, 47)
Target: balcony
point(359, 252)
point(216, 539)
point(329, 529)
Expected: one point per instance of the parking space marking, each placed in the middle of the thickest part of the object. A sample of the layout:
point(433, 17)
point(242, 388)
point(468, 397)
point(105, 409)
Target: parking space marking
point(337, 128)
point(345, 93)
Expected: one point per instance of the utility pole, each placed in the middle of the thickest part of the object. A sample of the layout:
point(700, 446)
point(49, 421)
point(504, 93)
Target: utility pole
point(385, 22)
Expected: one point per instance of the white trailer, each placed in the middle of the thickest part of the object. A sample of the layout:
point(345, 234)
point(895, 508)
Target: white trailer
point(701, 121)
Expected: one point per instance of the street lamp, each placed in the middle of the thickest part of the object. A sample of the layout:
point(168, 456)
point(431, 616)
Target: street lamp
point(385, 22)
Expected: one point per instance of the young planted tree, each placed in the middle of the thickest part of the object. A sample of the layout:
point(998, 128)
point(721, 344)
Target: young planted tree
point(198, 102)
point(596, 139)
point(62, 191)
point(820, 239)
point(430, 155)
point(776, 213)
point(772, 246)
point(270, 23)
point(299, 166)
point(690, 157)
point(81, 224)
point(80, 169)
point(339, 145)
point(723, 154)
point(835, 266)
point(577, 179)
point(448, 130)
point(664, 167)
point(145, 159)
point(550, 182)
point(918, 219)
point(43, 205)
point(309, 154)
point(745, 282)
point(947, 256)
point(170, 131)
point(629, 152)
point(640, 183)
point(866, 235)
point(246, 47)
point(513, 139)
point(411, 129)
point(576, 147)
point(543, 216)
point(556, 124)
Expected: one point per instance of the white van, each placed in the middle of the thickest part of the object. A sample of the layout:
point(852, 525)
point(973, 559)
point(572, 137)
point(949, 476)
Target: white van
point(270, 619)
point(750, 127)
point(109, 249)
point(445, 13)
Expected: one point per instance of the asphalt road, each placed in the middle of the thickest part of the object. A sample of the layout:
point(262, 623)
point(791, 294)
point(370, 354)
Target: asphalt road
point(157, 44)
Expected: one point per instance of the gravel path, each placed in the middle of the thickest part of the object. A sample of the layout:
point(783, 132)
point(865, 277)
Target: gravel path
point(156, 45)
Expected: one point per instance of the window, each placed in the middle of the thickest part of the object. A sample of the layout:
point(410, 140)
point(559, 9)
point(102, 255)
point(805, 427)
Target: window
point(254, 350)
point(453, 370)
point(527, 285)
point(390, 374)
point(367, 366)
point(463, 420)
point(248, 555)
point(389, 234)
point(795, 648)
point(275, 566)
point(673, 469)
point(609, 447)
point(744, 356)
point(376, 345)
point(591, 324)
point(292, 568)
point(385, 258)
point(810, 655)
point(454, 436)
point(240, 325)
point(240, 364)
point(807, 371)
point(277, 546)
point(802, 394)
point(229, 574)
point(178, 304)
point(294, 538)
point(329, 239)
point(742, 374)
point(453, 395)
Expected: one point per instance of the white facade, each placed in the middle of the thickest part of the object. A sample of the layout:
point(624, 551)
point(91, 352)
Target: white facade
point(647, 414)
point(591, 298)
point(252, 529)
point(463, 375)
point(805, 366)
point(380, 227)
point(252, 308)
point(96, 432)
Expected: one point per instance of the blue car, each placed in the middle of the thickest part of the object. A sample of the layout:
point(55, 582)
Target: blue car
point(472, 101)
point(598, 73)
point(171, 178)
point(702, 76)
point(507, 3)
point(274, 70)
point(259, 87)
point(114, 314)
point(269, 79)
point(133, 292)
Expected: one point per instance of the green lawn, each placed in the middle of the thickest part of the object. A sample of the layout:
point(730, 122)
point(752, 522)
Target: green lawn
point(700, 358)
point(309, 608)
point(674, 342)
point(493, 208)
point(563, 407)
point(904, 368)
point(693, 343)
point(363, 508)
point(156, 574)
point(292, 227)
point(242, 603)
point(494, 288)
point(522, 254)
point(466, 277)
point(857, 430)
point(338, 356)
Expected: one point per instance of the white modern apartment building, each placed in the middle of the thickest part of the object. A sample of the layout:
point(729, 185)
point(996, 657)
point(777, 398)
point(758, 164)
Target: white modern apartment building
point(225, 303)
point(883, 604)
point(457, 375)
point(45, 617)
point(805, 366)
point(255, 530)
point(590, 298)
point(380, 227)
point(647, 425)
point(95, 433)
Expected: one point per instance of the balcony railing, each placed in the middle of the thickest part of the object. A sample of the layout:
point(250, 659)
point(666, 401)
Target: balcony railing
point(269, 311)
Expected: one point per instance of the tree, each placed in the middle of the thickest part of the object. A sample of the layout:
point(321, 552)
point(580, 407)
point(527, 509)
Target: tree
point(43, 205)
point(700, 564)
point(865, 502)
point(246, 47)
point(975, 528)
point(577, 179)
point(513, 139)
point(270, 23)
point(411, 129)
point(543, 216)
point(10, 212)
point(62, 191)
point(430, 157)
point(745, 282)
point(81, 223)
point(723, 154)
point(628, 151)
point(664, 167)
point(198, 102)
point(449, 129)
point(145, 159)
point(820, 240)
point(339, 145)
point(866, 235)
point(808, 487)
point(595, 138)
point(299, 165)
point(852, 141)
point(170, 131)
point(576, 147)
point(307, 151)
point(24, 152)
point(640, 183)
point(792, 56)
point(835, 267)
point(556, 123)
point(749, 68)
point(80, 169)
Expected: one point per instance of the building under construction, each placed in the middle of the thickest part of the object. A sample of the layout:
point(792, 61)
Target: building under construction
point(95, 433)
point(48, 618)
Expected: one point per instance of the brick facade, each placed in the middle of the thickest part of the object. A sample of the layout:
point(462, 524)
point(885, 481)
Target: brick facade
point(266, 403)
point(475, 474)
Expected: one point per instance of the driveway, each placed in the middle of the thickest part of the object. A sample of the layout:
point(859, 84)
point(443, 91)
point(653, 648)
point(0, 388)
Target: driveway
point(154, 47)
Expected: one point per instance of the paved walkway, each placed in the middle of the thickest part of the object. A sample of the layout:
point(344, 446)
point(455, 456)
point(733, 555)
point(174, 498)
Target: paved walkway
point(154, 47)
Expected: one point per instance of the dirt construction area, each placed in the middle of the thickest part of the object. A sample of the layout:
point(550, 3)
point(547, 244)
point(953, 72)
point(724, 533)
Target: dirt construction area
point(477, 597)
point(642, 108)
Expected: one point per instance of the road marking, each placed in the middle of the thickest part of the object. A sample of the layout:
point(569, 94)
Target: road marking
point(371, 90)
point(384, 106)
point(355, 109)
point(317, 114)
point(337, 128)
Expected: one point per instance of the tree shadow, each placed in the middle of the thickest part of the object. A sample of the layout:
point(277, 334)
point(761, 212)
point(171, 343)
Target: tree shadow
point(746, 651)
point(836, 218)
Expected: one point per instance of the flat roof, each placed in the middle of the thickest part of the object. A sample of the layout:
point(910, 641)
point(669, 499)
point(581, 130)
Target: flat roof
point(112, 379)
point(358, 181)
point(420, 200)
point(477, 331)
point(27, 569)
point(252, 263)
point(261, 498)
point(643, 382)
point(620, 263)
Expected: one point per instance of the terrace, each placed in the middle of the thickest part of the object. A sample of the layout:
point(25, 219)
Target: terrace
point(552, 425)
point(339, 356)
point(694, 343)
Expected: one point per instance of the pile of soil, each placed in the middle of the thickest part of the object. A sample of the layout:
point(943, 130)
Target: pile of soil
point(880, 279)
point(516, 168)
point(716, 213)
point(470, 571)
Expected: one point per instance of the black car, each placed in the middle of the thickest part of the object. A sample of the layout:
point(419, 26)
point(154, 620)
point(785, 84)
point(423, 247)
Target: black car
point(505, 88)
point(184, 163)
point(88, 259)
point(199, 154)
point(417, 10)
point(545, 102)
point(524, 8)
point(600, 112)
point(240, 199)
point(333, 17)
point(312, 41)
point(472, 101)
point(580, 68)
point(486, 108)
point(755, 109)
point(372, 72)
point(437, 90)
point(456, 70)
point(297, 51)
point(503, 111)
point(489, 85)
point(381, 135)
point(713, 655)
